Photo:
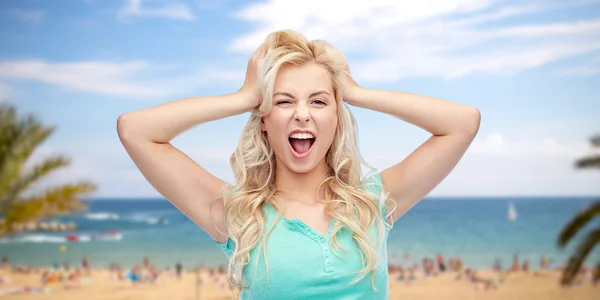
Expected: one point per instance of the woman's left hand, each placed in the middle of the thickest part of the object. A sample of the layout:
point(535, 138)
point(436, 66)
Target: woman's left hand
point(349, 87)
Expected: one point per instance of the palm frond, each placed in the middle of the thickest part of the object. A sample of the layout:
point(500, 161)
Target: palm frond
point(18, 134)
point(19, 137)
point(60, 200)
point(579, 256)
point(22, 140)
point(577, 223)
point(8, 133)
point(20, 213)
point(64, 199)
point(595, 141)
point(588, 162)
point(27, 180)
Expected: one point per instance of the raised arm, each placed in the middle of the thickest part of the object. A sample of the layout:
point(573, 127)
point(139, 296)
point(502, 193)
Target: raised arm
point(453, 127)
point(146, 136)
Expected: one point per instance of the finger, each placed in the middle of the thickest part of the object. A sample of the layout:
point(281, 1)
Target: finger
point(260, 51)
point(263, 53)
point(255, 54)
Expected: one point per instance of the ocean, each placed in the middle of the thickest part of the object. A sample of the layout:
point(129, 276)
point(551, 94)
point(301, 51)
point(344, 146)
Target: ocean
point(476, 229)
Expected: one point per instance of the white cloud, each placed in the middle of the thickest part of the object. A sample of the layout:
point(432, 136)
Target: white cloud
point(439, 38)
point(127, 79)
point(170, 10)
point(538, 159)
point(588, 68)
point(531, 175)
point(97, 77)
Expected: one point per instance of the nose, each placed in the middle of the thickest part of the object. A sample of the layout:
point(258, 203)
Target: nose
point(302, 114)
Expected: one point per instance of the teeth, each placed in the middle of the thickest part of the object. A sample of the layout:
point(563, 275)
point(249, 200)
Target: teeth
point(302, 136)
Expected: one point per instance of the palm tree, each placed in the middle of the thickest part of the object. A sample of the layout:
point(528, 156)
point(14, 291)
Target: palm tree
point(20, 199)
point(578, 222)
point(591, 161)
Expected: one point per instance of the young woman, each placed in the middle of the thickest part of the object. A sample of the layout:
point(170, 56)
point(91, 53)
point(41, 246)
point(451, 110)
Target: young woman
point(300, 222)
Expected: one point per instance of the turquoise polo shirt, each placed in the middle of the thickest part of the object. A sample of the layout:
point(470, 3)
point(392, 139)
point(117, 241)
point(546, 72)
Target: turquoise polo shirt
point(303, 266)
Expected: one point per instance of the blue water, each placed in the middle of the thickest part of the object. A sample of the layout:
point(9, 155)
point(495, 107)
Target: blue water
point(475, 229)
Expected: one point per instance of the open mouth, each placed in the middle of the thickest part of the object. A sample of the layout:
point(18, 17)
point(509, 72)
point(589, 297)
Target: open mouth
point(301, 143)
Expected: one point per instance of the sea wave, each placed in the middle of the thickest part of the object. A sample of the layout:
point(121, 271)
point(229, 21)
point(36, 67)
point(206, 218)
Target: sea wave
point(135, 218)
point(101, 216)
point(34, 238)
point(148, 219)
point(55, 239)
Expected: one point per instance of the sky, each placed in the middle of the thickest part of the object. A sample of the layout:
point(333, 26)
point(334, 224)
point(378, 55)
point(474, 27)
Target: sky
point(531, 67)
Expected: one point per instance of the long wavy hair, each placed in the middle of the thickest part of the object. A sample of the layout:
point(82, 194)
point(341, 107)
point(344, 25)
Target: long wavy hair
point(253, 164)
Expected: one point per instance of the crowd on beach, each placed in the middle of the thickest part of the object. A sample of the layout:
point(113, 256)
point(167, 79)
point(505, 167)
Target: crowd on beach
point(408, 271)
point(69, 276)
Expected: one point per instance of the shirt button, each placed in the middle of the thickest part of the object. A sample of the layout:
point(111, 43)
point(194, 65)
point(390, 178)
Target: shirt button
point(325, 248)
point(328, 260)
point(322, 240)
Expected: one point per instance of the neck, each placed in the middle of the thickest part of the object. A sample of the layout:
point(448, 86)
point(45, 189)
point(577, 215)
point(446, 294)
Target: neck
point(301, 187)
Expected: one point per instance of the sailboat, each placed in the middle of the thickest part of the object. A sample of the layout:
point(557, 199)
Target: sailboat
point(512, 212)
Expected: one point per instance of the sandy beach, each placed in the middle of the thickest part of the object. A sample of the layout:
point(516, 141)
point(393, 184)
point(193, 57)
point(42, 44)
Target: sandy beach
point(103, 284)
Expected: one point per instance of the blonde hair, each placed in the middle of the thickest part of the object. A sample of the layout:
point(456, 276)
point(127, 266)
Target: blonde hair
point(253, 164)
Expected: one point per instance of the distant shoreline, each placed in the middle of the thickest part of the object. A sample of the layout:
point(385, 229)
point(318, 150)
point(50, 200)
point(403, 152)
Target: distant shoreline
point(479, 231)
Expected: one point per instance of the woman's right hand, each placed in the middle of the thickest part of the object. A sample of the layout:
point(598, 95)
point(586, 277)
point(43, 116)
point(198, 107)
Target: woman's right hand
point(251, 88)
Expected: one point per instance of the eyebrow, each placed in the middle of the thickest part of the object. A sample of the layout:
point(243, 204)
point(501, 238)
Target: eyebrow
point(310, 96)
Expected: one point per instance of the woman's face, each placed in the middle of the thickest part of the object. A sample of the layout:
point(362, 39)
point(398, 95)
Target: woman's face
point(302, 123)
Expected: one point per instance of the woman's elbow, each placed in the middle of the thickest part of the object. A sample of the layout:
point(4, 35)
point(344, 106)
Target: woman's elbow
point(125, 127)
point(471, 122)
